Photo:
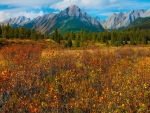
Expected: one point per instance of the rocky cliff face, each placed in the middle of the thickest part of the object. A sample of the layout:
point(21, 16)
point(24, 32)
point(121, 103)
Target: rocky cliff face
point(73, 15)
point(146, 14)
point(75, 18)
point(116, 21)
point(16, 21)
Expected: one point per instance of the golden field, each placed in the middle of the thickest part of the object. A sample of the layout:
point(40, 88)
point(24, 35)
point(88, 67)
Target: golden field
point(95, 80)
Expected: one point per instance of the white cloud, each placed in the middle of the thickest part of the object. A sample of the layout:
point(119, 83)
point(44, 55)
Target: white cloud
point(81, 3)
point(96, 7)
point(30, 14)
point(28, 2)
point(100, 4)
point(5, 15)
point(87, 4)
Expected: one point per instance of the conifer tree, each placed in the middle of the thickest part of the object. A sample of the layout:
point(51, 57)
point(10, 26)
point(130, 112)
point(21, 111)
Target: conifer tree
point(66, 36)
point(58, 39)
point(32, 34)
point(77, 41)
point(84, 35)
point(72, 35)
point(55, 35)
point(107, 42)
point(113, 38)
point(69, 42)
point(21, 33)
point(132, 41)
point(11, 32)
point(144, 40)
point(5, 32)
point(120, 41)
point(16, 33)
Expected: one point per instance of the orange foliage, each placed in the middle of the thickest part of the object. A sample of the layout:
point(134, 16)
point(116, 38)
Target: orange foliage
point(115, 80)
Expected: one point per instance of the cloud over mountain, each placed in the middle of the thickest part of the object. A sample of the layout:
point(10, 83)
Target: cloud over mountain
point(30, 8)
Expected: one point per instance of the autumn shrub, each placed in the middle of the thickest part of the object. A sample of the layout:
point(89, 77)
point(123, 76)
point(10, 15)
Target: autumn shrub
point(84, 81)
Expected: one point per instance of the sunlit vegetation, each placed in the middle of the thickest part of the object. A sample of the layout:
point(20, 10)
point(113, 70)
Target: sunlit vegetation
point(9, 32)
point(79, 39)
point(74, 81)
point(109, 38)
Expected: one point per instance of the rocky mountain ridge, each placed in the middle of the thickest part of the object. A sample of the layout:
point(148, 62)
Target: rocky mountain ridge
point(73, 18)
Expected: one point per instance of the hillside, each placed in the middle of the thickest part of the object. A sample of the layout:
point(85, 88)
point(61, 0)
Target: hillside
point(70, 19)
point(141, 23)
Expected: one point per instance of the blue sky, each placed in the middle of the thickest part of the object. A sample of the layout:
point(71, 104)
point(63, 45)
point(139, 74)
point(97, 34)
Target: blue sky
point(101, 8)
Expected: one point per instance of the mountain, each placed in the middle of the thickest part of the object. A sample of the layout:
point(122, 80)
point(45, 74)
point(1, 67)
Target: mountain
point(74, 19)
point(41, 23)
point(140, 23)
point(16, 21)
point(99, 20)
point(70, 19)
point(116, 21)
point(146, 14)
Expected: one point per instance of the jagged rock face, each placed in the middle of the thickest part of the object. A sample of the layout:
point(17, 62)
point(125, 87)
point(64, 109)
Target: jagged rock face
point(16, 21)
point(99, 20)
point(146, 14)
point(122, 19)
point(72, 11)
point(48, 22)
point(75, 11)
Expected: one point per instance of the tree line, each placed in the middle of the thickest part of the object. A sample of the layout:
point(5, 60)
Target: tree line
point(114, 37)
point(10, 32)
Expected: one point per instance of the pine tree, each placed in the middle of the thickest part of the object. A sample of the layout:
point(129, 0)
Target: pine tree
point(4, 32)
point(32, 35)
point(107, 42)
point(11, 32)
point(126, 41)
point(28, 33)
point(69, 42)
point(39, 36)
point(132, 41)
point(144, 40)
point(77, 41)
point(35, 35)
point(55, 35)
point(58, 39)
point(120, 41)
point(66, 36)
point(21, 33)
point(72, 35)
point(16, 33)
point(113, 38)
point(84, 35)
point(94, 37)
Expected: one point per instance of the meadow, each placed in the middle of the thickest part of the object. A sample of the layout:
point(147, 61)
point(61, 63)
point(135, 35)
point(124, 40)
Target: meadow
point(99, 80)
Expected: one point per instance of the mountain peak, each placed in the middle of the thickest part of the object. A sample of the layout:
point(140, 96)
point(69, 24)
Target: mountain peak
point(74, 7)
point(73, 10)
point(112, 15)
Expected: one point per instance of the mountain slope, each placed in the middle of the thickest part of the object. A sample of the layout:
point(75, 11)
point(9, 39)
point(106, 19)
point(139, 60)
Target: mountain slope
point(116, 21)
point(72, 18)
point(146, 14)
point(140, 23)
point(16, 21)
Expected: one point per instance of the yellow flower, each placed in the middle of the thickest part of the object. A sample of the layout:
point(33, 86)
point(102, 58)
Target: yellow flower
point(145, 86)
